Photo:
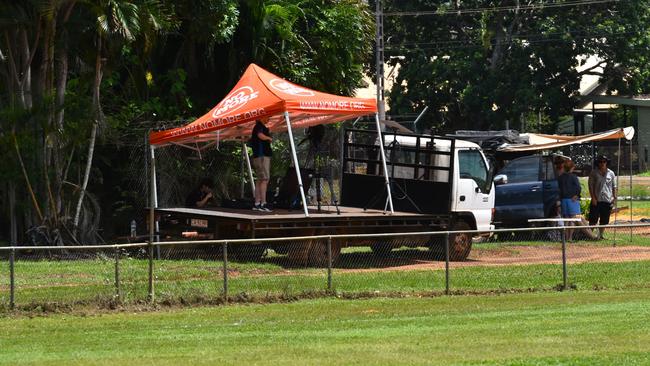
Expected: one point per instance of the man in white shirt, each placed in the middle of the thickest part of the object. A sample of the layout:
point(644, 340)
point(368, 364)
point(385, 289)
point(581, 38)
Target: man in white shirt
point(602, 189)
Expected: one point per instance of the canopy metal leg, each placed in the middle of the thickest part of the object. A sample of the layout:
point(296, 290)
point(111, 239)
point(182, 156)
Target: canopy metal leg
point(618, 174)
point(616, 190)
point(383, 163)
point(152, 205)
point(248, 166)
point(152, 191)
point(154, 202)
point(295, 163)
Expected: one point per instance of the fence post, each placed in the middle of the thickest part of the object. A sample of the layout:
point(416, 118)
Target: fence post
point(151, 291)
point(564, 274)
point(447, 263)
point(225, 272)
point(12, 279)
point(118, 291)
point(329, 263)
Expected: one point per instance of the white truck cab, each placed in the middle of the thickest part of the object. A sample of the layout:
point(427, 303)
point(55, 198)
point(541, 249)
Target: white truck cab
point(472, 189)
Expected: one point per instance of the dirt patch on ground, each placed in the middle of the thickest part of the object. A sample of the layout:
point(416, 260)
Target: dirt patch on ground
point(523, 255)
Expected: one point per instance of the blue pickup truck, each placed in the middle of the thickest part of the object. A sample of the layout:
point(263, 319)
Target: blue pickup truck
point(526, 188)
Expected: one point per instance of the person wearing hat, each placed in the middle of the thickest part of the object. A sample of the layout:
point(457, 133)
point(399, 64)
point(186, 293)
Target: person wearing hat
point(602, 189)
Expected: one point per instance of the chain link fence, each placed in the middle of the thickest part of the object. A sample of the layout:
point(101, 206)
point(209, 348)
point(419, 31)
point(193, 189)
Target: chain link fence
point(284, 269)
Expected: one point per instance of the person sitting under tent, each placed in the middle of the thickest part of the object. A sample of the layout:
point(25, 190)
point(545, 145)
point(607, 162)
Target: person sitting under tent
point(202, 195)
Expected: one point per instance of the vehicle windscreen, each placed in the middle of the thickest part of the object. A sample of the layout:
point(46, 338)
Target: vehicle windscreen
point(526, 169)
point(472, 165)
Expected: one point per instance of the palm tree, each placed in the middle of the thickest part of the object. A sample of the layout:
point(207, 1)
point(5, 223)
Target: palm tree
point(116, 22)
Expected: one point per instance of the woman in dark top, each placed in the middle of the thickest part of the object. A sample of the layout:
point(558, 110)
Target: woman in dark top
point(569, 193)
point(261, 143)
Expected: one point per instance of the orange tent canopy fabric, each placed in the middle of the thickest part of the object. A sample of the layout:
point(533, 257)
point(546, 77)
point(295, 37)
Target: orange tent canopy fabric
point(260, 93)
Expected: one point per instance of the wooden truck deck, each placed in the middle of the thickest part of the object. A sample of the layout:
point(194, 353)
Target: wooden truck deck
point(283, 222)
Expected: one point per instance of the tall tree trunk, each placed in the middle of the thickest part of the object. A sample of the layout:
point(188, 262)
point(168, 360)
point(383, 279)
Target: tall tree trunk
point(11, 190)
point(93, 134)
point(26, 82)
point(61, 84)
point(89, 163)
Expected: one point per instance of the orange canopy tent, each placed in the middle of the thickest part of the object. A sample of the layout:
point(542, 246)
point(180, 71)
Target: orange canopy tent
point(258, 94)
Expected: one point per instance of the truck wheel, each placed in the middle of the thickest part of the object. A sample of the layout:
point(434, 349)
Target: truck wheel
point(318, 252)
point(298, 251)
point(460, 244)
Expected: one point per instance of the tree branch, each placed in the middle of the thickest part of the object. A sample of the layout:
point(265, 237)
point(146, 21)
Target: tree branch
point(12, 61)
point(589, 71)
point(29, 185)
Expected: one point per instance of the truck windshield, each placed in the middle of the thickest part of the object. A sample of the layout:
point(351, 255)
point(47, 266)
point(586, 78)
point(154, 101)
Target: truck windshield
point(472, 166)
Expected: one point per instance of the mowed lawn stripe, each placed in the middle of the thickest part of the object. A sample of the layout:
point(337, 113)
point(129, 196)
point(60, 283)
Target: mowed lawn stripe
point(539, 328)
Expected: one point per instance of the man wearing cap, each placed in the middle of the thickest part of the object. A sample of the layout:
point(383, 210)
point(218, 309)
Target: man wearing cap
point(602, 189)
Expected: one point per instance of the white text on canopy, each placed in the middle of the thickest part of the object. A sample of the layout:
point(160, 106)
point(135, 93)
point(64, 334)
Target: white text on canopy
point(331, 104)
point(235, 100)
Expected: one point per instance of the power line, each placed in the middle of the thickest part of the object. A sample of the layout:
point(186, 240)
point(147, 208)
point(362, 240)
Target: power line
point(532, 37)
point(499, 8)
point(468, 44)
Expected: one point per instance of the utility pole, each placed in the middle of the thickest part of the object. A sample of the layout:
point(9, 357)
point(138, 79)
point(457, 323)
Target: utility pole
point(379, 13)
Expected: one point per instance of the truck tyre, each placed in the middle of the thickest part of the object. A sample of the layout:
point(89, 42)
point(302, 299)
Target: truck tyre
point(460, 244)
point(318, 252)
point(298, 251)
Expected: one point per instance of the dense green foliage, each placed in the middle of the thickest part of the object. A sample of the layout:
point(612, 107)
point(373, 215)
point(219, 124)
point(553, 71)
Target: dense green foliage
point(576, 328)
point(478, 63)
point(83, 82)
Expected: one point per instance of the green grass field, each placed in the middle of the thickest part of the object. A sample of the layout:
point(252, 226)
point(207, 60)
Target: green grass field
point(46, 285)
point(282, 314)
point(558, 328)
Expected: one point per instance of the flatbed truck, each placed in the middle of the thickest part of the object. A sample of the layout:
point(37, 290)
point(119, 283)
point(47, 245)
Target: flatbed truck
point(437, 184)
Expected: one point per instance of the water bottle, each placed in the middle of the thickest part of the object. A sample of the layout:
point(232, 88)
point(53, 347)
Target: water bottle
point(133, 233)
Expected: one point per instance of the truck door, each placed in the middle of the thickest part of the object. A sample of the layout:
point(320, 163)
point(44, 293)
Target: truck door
point(522, 197)
point(551, 188)
point(473, 188)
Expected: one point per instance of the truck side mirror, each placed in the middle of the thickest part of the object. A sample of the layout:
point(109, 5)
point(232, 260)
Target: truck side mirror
point(501, 179)
point(489, 180)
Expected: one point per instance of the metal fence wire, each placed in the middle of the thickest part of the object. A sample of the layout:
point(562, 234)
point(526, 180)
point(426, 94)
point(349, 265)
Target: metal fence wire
point(282, 269)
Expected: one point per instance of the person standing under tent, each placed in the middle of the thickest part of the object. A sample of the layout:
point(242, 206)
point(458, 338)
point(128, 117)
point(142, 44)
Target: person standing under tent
point(570, 190)
point(260, 142)
point(602, 189)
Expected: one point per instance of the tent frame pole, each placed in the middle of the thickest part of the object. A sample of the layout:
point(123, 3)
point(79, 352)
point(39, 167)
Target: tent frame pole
point(383, 163)
point(152, 204)
point(616, 190)
point(294, 155)
point(244, 150)
point(155, 199)
point(618, 174)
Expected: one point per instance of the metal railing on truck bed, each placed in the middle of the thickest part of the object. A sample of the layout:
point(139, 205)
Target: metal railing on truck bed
point(420, 169)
